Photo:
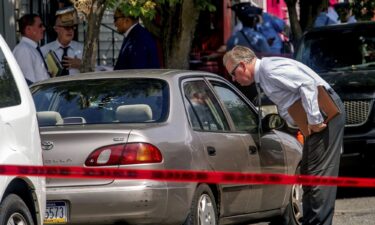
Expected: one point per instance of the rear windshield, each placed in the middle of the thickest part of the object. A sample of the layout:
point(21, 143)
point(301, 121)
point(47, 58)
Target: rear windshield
point(102, 101)
point(338, 50)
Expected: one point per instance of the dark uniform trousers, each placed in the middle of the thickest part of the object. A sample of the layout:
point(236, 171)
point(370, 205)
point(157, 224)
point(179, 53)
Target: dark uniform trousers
point(321, 157)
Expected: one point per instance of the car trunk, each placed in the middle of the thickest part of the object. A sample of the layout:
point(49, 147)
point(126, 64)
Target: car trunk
point(71, 145)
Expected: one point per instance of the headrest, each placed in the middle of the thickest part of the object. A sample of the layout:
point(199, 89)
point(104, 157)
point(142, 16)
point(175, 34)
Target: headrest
point(74, 120)
point(134, 113)
point(49, 118)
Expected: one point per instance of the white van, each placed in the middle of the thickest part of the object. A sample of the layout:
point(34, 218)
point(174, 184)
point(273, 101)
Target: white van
point(22, 198)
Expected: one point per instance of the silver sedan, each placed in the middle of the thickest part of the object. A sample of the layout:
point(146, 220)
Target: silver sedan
point(164, 120)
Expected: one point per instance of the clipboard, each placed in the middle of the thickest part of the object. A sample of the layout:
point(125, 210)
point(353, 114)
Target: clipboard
point(53, 63)
point(327, 107)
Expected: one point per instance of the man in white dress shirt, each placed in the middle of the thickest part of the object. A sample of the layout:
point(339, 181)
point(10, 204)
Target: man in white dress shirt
point(284, 81)
point(27, 52)
point(68, 51)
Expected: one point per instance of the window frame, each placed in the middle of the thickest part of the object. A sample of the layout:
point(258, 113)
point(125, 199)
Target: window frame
point(187, 104)
point(55, 95)
point(16, 98)
point(240, 96)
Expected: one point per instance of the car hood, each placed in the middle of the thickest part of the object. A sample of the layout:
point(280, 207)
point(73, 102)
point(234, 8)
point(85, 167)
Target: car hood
point(350, 84)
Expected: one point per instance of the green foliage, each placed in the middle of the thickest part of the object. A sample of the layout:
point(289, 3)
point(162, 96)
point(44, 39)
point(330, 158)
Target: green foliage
point(205, 5)
point(147, 8)
point(135, 8)
point(169, 2)
point(363, 9)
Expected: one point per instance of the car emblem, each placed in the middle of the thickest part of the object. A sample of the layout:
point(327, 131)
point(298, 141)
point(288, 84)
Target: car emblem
point(118, 139)
point(47, 145)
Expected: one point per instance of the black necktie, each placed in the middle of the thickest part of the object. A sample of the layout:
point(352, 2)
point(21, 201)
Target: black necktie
point(65, 71)
point(41, 55)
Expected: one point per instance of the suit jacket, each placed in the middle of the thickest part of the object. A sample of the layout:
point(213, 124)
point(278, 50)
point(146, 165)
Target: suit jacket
point(138, 51)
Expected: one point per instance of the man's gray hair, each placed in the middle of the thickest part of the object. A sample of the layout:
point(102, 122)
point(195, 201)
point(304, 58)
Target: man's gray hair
point(239, 54)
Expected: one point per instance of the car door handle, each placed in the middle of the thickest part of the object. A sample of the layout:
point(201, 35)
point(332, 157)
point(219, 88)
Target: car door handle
point(211, 151)
point(252, 150)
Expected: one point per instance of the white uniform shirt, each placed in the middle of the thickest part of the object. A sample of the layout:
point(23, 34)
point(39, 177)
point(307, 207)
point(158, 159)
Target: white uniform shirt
point(285, 81)
point(30, 60)
point(75, 51)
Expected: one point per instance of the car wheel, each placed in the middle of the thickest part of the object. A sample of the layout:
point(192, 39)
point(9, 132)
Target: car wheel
point(14, 211)
point(203, 209)
point(295, 206)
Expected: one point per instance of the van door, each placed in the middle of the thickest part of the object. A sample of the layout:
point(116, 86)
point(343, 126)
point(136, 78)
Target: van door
point(19, 132)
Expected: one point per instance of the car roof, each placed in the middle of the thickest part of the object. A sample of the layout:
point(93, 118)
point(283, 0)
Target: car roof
point(342, 27)
point(165, 74)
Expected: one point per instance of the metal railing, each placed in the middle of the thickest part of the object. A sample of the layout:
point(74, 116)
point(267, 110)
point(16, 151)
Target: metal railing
point(111, 48)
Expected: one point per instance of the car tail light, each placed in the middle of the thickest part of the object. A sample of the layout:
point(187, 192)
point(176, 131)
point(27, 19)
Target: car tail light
point(300, 137)
point(124, 154)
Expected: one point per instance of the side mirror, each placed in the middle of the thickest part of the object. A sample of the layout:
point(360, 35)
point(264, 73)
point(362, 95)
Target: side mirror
point(272, 121)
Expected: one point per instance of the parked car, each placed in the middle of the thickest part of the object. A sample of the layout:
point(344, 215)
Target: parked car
point(344, 55)
point(22, 198)
point(164, 120)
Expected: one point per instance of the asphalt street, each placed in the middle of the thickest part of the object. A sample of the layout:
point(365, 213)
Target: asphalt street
point(354, 206)
point(352, 211)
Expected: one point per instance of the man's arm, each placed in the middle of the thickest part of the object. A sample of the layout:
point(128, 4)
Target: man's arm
point(24, 59)
point(293, 79)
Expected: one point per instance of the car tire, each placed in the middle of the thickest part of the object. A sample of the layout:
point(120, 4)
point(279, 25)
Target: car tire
point(293, 213)
point(203, 210)
point(14, 211)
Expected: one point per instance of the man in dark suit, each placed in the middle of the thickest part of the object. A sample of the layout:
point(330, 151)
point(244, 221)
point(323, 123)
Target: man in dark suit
point(138, 50)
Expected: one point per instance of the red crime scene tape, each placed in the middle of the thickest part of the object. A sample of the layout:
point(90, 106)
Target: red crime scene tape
point(182, 176)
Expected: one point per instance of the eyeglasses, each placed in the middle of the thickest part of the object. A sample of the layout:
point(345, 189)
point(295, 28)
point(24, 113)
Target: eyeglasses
point(233, 72)
point(115, 18)
point(67, 28)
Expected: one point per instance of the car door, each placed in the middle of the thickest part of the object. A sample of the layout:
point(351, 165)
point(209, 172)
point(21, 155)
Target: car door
point(224, 149)
point(270, 156)
point(245, 122)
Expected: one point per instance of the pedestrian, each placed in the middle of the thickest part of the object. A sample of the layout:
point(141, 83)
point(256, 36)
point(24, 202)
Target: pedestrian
point(345, 13)
point(27, 51)
point(138, 50)
point(285, 81)
point(324, 19)
point(271, 27)
point(68, 51)
point(248, 36)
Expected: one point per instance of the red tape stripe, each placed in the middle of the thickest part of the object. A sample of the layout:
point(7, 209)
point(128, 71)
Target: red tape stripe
point(182, 176)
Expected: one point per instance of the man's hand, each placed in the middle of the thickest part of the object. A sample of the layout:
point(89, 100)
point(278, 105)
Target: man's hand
point(316, 127)
point(71, 62)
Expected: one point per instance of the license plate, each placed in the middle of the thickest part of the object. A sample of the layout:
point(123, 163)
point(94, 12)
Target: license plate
point(56, 212)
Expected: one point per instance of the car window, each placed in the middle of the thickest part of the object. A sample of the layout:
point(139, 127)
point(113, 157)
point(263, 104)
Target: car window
point(339, 50)
point(243, 117)
point(9, 95)
point(203, 109)
point(104, 101)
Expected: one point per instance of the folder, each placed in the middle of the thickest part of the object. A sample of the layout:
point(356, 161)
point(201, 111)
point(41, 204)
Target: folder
point(327, 107)
point(53, 63)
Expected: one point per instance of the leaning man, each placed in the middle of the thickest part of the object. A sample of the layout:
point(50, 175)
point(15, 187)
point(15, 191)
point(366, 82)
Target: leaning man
point(285, 81)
